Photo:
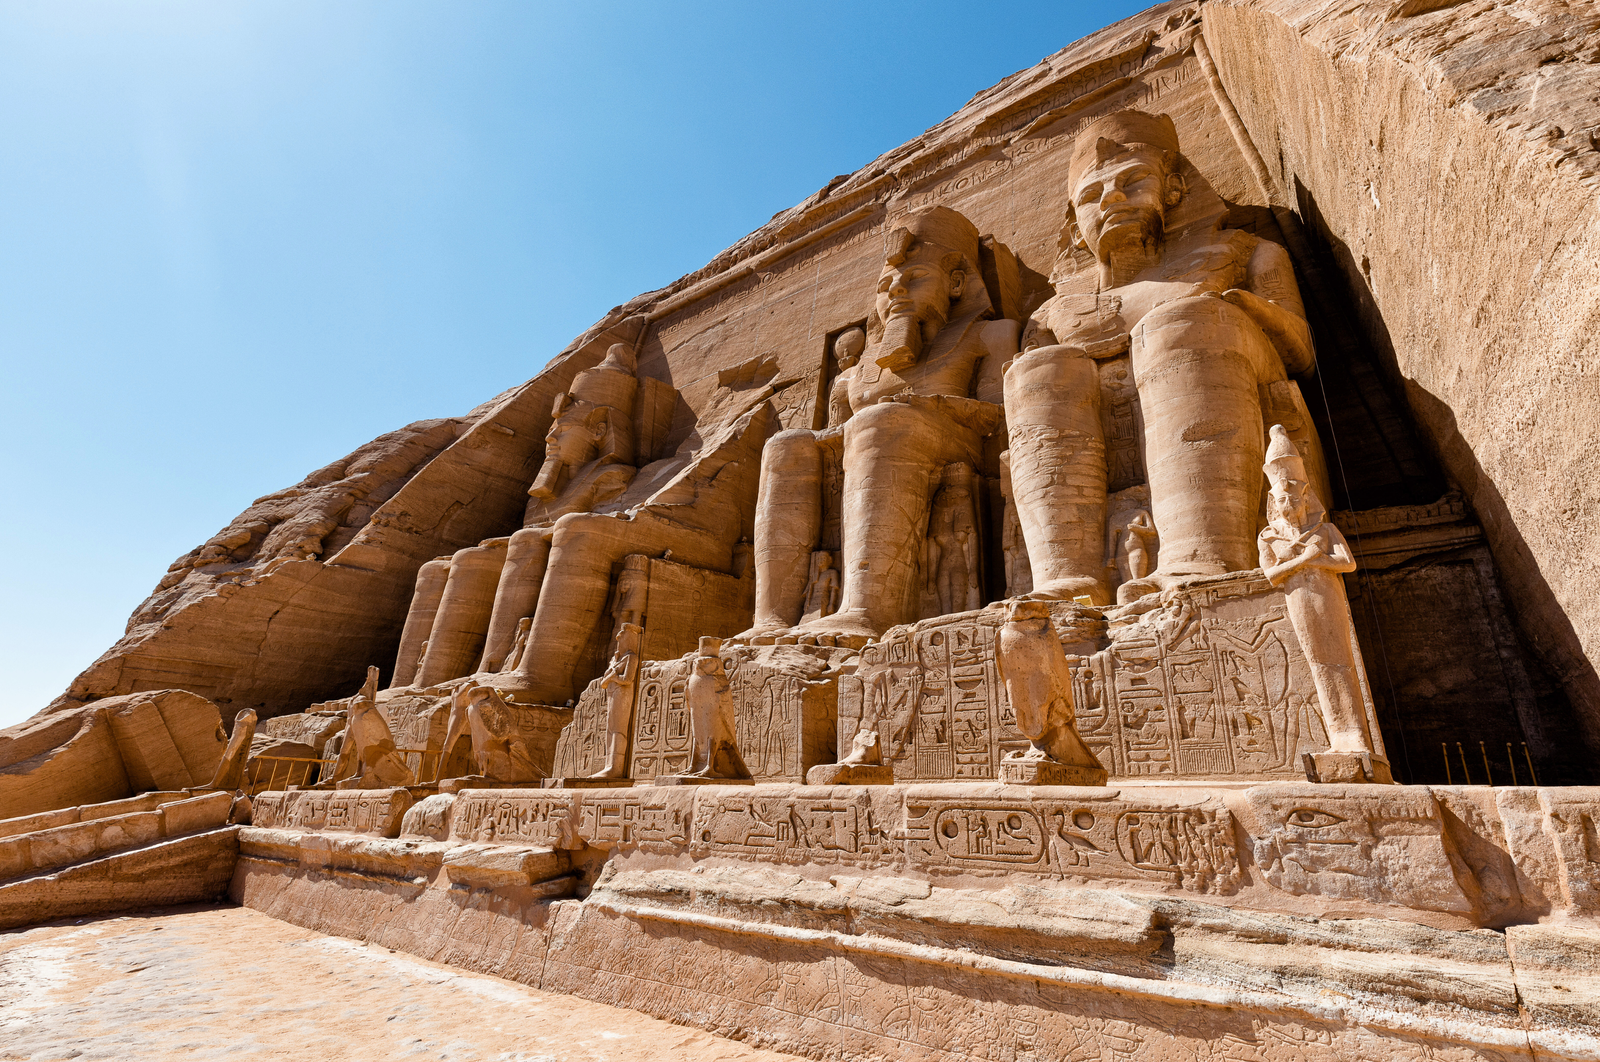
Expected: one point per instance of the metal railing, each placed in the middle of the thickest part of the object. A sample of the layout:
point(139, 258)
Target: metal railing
point(1488, 771)
point(280, 772)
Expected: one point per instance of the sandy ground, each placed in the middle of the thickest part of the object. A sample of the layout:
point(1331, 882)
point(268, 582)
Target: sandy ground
point(229, 982)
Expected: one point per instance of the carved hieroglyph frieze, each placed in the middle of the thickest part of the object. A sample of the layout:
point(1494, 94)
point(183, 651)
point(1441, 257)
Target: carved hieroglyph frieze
point(374, 811)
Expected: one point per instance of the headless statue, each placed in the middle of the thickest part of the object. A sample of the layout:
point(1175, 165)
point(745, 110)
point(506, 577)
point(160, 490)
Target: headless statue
point(498, 749)
point(1038, 683)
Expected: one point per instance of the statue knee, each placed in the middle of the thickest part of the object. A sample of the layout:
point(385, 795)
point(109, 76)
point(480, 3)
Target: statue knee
point(1205, 324)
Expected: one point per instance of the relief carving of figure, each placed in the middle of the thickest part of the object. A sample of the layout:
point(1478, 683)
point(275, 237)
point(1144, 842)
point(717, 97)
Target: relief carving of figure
point(822, 589)
point(910, 415)
point(951, 549)
point(1208, 317)
point(1301, 551)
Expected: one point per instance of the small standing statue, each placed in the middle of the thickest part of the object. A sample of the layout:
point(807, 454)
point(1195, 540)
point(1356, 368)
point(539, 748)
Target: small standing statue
point(1306, 555)
point(368, 758)
point(822, 589)
point(1033, 667)
point(620, 682)
point(499, 750)
point(1139, 540)
point(712, 726)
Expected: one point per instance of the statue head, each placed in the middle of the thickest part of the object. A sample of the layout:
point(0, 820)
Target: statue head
point(1028, 615)
point(1292, 506)
point(629, 637)
point(1124, 178)
point(932, 262)
point(707, 661)
point(848, 346)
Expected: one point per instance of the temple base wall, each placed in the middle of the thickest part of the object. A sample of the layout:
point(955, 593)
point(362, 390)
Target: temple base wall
point(1181, 924)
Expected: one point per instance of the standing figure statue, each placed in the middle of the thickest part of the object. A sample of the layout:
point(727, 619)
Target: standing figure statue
point(1033, 668)
point(1306, 555)
point(499, 750)
point(621, 684)
point(368, 758)
point(1208, 315)
point(712, 727)
point(929, 327)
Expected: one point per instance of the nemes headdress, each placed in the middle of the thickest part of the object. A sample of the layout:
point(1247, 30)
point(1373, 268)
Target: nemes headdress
point(1115, 133)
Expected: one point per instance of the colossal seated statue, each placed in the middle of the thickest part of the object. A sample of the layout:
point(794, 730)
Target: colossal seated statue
point(1208, 316)
point(532, 614)
point(909, 416)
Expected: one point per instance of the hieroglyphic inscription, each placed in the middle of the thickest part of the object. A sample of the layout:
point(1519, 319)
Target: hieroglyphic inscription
point(514, 818)
point(784, 714)
point(1212, 684)
point(374, 811)
point(581, 748)
point(1188, 847)
point(657, 821)
point(795, 828)
point(661, 721)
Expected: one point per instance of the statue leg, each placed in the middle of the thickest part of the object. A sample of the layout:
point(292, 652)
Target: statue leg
point(1199, 363)
point(1058, 471)
point(517, 593)
point(788, 523)
point(893, 454)
point(566, 644)
point(463, 616)
point(1320, 613)
point(419, 620)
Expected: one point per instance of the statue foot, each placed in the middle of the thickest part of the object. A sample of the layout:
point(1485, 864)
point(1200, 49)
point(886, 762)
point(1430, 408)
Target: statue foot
point(1081, 588)
point(760, 634)
point(1154, 583)
point(848, 630)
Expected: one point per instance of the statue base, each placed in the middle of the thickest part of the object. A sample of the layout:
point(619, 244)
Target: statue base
point(587, 783)
point(850, 774)
point(1049, 772)
point(699, 779)
point(1347, 767)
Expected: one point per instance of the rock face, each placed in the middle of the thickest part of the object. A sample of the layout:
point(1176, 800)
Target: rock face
point(1019, 573)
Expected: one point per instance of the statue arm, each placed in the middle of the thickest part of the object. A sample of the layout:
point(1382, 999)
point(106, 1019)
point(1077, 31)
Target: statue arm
point(1272, 299)
point(1338, 558)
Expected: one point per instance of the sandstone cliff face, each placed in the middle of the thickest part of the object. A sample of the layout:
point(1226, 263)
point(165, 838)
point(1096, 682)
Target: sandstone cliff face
point(1447, 154)
point(1431, 167)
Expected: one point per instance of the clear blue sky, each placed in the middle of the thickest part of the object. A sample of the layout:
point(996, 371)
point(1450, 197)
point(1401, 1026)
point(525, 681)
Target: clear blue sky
point(239, 239)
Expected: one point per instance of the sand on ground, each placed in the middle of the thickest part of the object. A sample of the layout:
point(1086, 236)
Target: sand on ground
point(227, 982)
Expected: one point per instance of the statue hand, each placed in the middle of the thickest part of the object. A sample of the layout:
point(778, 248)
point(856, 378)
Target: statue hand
point(1288, 331)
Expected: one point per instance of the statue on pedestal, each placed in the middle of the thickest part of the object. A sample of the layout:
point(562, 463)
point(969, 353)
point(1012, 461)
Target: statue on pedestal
point(1306, 555)
point(1038, 684)
point(909, 417)
point(1208, 317)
